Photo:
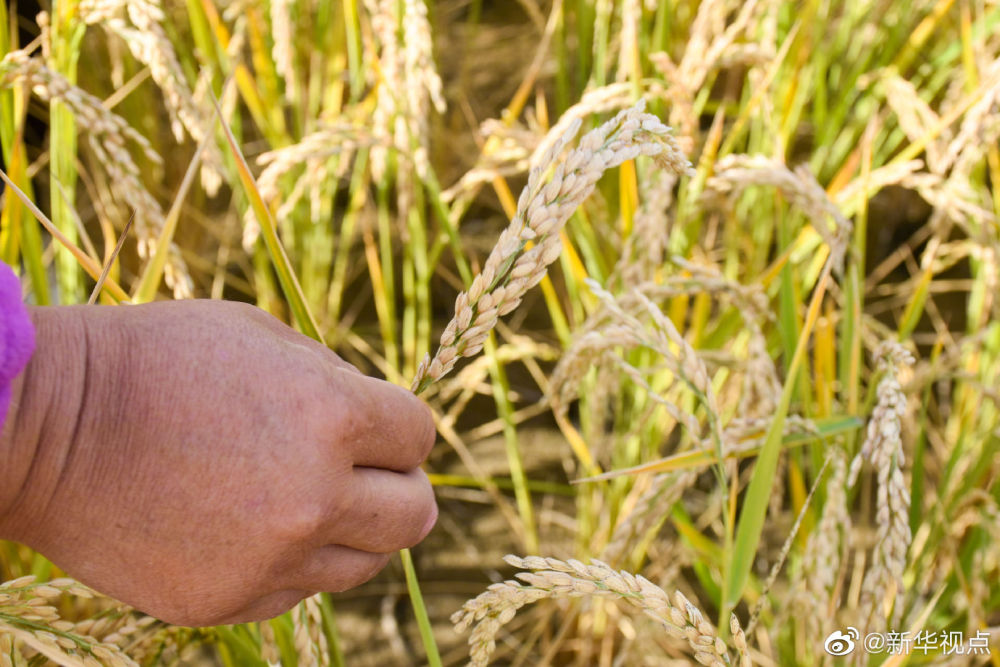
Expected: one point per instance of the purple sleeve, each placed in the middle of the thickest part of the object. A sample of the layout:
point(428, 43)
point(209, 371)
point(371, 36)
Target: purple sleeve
point(17, 336)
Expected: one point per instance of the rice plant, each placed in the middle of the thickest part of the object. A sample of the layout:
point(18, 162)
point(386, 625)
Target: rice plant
point(702, 296)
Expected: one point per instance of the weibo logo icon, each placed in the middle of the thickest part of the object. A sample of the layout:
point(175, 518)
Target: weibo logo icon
point(841, 643)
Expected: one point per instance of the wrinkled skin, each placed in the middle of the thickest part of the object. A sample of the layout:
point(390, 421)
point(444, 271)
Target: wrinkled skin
point(205, 463)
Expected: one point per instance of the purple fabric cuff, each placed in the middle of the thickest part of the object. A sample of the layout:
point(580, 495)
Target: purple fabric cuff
point(17, 335)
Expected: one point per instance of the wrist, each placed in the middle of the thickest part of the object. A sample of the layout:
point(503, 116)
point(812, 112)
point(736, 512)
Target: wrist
point(16, 452)
point(45, 401)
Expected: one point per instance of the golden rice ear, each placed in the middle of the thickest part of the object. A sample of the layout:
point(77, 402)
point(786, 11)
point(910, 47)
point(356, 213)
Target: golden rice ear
point(108, 135)
point(139, 24)
point(554, 578)
point(407, 84)
point(735, 173)
point(883, 449)
point(31, 626)
point(543, 208)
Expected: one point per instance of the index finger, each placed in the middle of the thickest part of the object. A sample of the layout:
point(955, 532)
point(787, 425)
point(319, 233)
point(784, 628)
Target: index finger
point(387, 426)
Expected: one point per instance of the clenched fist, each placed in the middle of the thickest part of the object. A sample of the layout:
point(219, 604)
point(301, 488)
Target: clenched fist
point(205, 463)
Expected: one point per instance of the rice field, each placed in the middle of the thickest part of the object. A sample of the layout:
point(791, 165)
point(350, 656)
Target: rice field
point(702, 295)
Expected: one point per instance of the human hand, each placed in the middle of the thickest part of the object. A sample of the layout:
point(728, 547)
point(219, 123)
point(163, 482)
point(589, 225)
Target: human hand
point(206, 464)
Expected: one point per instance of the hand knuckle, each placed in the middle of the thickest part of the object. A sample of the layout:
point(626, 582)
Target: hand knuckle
point(302, 522)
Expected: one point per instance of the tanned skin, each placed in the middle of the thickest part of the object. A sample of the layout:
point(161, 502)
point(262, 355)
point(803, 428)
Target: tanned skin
point(205, 463)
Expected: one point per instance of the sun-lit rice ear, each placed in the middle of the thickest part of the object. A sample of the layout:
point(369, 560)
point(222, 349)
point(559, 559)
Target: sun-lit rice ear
point(555, 578)
point(734, 173)
point(139, 23)
point(30, 618)
point(283, 50)
point(883, 450)
point(108, 136)
point(311, 646)
point(664, 491)
point(513, 267)
point(311, 154)
point(408, 83)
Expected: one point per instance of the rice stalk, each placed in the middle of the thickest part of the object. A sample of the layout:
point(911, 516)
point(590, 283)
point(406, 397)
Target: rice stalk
point(60, 42)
